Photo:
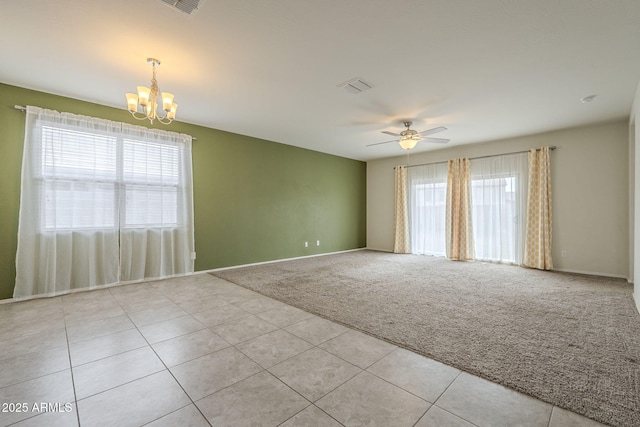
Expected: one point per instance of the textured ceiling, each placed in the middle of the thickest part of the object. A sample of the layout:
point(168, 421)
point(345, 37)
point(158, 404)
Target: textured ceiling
point(486, 69)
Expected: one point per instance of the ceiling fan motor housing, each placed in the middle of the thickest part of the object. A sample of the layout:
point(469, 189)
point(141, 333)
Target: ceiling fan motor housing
point(409, 133)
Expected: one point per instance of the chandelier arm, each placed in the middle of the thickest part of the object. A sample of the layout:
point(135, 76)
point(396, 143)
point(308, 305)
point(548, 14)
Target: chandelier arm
point(164, 120)
point(138, 116)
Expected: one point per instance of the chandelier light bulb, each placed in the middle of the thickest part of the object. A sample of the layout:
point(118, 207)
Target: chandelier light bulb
point(132, 102)
point(167, 101)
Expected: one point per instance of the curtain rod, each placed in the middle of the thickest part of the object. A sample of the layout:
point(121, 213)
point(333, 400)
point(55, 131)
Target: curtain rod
point(479, 157)
point(23, 108)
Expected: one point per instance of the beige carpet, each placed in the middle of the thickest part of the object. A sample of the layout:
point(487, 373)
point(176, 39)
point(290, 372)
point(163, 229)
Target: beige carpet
point(570, 340)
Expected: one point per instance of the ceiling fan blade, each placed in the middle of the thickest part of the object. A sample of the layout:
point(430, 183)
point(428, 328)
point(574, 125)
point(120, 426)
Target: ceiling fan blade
point(432, 131)
point(390, 133)
point(436, 140)
point(380, 143)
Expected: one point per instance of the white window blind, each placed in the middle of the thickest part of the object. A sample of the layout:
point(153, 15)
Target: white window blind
point(79, 170)
point(151, 184)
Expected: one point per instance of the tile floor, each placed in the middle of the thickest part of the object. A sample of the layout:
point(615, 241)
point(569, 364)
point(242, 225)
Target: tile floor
point(199, 351)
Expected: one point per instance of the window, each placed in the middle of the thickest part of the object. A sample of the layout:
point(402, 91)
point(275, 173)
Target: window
point(83, 174)
point(151, 181)
point(427, 209)
point(498, 197)
point(498, 185)
point(101, 202)
point(79, 175)
point(494, 218)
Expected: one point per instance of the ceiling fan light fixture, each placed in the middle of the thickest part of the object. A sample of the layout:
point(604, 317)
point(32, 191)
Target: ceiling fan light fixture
point(408, 138)
point(407, 143)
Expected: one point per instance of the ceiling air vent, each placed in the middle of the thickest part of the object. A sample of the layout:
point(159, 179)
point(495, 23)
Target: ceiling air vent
point(355, 85)
point(186, 6)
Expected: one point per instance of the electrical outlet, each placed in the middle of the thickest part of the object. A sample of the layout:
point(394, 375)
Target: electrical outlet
point(563, 254)
point(317, 242)
point(306, 244)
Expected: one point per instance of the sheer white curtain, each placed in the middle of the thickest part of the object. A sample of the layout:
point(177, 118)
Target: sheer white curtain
point(156, 230)
point(101, 202)
point(427, 207)
point(499, 186)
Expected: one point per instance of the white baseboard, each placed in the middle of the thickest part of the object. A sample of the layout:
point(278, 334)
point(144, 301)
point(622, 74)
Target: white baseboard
point(93, 288)
point(53, 294)
point(379, 250)
point(111, 285)
point(279, 260)
point(563, 270)
point(592, 273)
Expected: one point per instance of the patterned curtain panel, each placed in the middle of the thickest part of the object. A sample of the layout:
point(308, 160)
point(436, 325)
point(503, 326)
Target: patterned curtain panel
point(459, 230)
point(401, 243)
point(537, 251)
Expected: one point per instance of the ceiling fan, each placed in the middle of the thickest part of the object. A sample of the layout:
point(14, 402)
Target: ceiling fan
point(409, 138)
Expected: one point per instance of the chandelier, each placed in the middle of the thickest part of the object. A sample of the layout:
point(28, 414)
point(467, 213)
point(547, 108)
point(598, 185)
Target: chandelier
point(147, 98)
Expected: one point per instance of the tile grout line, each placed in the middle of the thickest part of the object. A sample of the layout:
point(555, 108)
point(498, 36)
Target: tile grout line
point(317, 346)
point(299, 394)
point(73, 381)
point(444, 391)
point(163, 364)
point(263, 369)
point(46, 374)
point(550, 415)
point(314, 346)
point(395, 385)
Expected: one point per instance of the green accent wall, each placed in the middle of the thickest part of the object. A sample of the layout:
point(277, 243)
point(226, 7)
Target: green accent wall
point(254, 200)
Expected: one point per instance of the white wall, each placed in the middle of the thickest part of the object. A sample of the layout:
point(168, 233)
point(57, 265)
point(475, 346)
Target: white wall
point(634, 207)
point(590, 182)
point(632, 195)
